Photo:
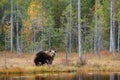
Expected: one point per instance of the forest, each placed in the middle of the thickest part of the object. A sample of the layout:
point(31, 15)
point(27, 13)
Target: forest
point(68, 26)
point(85, 34)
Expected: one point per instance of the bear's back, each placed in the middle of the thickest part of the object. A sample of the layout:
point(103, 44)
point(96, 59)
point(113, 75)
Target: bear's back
point(40, 53)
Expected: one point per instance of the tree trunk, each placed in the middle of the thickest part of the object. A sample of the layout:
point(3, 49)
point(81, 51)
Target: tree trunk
point(70, 32)
point(85, 37)
point(42, 37)
point(112, 29)
point(5, 59)
point(67, 44)
point(79, 33)
point(97, 28)
point(49, 37)
point(17, 30)
point(11, 29)
point(119, 36)
point(34, 38)
point(0, 27)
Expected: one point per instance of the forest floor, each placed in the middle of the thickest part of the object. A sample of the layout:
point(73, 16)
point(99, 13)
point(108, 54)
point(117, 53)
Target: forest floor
point(24, 62)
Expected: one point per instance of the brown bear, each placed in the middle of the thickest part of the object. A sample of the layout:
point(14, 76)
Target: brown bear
point(43, 57)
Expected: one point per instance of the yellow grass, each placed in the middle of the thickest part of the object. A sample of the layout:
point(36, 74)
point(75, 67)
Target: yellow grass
point(40, 69)
point(24, 63)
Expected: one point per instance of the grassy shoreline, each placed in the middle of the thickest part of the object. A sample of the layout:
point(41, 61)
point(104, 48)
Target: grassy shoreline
point(39, 69)
point(57, 69)
point(24, 63)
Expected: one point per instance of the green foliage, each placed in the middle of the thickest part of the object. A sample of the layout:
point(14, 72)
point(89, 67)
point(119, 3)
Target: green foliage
point(58, 39)
point(1, 42)
point(57, 18)
point(23, 7)
point(55, 8)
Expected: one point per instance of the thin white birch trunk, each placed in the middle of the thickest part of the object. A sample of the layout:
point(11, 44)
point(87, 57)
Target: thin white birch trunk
point(112, 28)
point(42, 28)
point(11, 29)
point(70, 32)
point(49, 37)
point(67, 43)
point(79, 32)
point(17, 29)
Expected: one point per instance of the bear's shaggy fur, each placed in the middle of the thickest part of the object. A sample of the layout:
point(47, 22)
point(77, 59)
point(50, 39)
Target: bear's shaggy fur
point(43, 57)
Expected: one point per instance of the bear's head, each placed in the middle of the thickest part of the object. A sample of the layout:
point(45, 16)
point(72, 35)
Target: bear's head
point(51, 53)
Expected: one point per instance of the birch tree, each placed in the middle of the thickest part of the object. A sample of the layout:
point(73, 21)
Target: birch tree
point(97, 33)
point(79, 33)
point(17, 30)
point(42, 28)
point(11, 29)
point(67, 33)
point(112, 28)
point(70, 31)
point(50, 31)
point(118, 36)
point(117, 18)
point(67, 21)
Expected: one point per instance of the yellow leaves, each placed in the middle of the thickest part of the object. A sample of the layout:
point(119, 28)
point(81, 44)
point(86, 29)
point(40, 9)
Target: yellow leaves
point(100, 9)
point(6, 28)
point(27, 31)
point(34, 10)
point(37, 18)
point(27, 27)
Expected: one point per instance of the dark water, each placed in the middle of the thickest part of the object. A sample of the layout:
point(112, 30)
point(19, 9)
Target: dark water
point(64, 76)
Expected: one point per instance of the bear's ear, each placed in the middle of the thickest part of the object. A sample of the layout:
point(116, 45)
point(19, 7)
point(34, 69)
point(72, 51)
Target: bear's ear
point(49, 50)
point(52, 51)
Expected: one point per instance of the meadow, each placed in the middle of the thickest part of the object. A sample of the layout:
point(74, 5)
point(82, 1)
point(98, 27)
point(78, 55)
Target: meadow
point(24, 63)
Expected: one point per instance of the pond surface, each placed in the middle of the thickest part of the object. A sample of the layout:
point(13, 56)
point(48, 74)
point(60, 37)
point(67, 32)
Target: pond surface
point(63, 76)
